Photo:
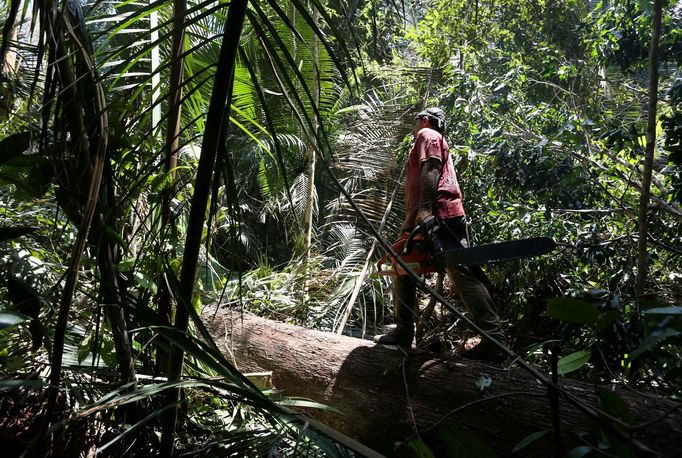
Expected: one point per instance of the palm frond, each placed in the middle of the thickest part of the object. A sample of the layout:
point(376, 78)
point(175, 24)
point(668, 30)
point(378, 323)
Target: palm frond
point(299, 195)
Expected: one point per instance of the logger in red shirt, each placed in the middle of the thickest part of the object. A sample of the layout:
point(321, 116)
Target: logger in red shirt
point(431, 188)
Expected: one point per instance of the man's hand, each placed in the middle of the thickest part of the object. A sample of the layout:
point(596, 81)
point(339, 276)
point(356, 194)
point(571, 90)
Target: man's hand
point(422, 214)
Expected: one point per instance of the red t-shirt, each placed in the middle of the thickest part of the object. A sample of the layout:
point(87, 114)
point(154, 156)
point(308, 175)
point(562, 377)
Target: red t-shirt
point(428, 144)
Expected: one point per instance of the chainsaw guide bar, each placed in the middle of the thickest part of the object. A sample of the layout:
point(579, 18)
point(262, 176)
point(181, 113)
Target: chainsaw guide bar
point(421, 261)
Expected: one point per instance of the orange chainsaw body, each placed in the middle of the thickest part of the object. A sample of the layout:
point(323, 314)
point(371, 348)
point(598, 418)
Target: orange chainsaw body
point(419, 259)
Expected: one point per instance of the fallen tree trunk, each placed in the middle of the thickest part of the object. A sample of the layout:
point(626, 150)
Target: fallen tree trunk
point(384, 395)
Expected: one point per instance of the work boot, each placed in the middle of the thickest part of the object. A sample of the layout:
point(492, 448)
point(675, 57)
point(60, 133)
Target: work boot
point(405, 309)
point(399, 336)
point(484, 351)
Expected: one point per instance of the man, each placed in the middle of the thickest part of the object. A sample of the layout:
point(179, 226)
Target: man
point(431, 188)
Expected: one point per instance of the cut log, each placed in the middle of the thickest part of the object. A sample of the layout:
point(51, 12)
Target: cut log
point(384, 395)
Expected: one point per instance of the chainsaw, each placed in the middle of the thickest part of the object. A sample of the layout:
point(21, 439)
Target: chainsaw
point(417, 251)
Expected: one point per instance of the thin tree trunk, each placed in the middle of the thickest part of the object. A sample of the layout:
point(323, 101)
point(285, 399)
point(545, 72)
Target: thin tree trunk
point(220, 97)
point(111, 298)
point(8, 60)
point(8, 57)
point(164, 300)
point(640, 281)
point(310, 172)
point(110, 286)
point(176, 82)
point(94, 164)
point(92, 99)
point(155, 63)
point(375, 33)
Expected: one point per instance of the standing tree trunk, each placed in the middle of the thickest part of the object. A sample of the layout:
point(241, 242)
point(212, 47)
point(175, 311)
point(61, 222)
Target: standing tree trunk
point(8, 60)
point(640, 281)
point(177, 75)
point(221, 96)
point(310, 171)
point(111, 293)
point(155, 64)
point(91, 154)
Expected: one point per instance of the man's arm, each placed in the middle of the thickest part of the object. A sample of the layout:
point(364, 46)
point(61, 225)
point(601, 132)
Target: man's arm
point(430, 174)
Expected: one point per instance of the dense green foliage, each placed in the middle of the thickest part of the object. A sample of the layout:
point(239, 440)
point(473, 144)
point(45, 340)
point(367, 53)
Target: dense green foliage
point(546, 104)
point(546, 122)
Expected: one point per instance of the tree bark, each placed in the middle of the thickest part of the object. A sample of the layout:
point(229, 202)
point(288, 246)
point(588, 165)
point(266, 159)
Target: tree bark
point(310, 171)
point(172, 146)
point(642, 254)
point(384, 395)
point(221, 96)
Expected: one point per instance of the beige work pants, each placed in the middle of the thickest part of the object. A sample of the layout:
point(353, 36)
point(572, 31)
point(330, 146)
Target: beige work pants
point(471, 290)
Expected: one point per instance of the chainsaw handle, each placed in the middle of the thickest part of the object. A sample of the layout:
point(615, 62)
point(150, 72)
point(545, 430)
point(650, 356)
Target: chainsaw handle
point(407, 248)
point(427, 227)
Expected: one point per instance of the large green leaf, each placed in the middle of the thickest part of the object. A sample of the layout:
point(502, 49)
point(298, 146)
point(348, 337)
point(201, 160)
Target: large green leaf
point(574, 361)
point(26, 160)
point(579, 452)
point(606, 319)
point(31, 181)
point(13, 146)
point(274, 41)
point(7, 385)
point(673, 310)
point(651, 340)
point(414, 448)
point(462, 443)
point(616, 407)
point(529, 439)
point(572, 311)
point(9, 319)
point(13, 232)
point(302, 402)
point(613, 404)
